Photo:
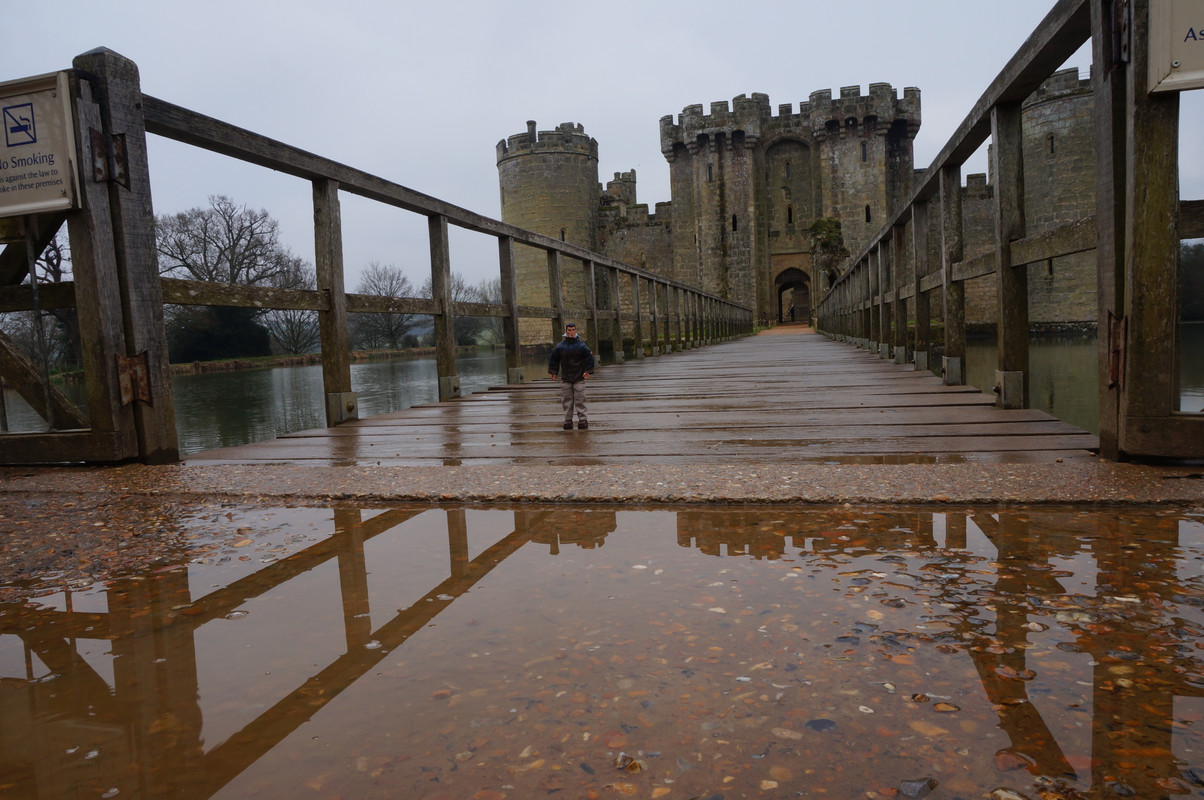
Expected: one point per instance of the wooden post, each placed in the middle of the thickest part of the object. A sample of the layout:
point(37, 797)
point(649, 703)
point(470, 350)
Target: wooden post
point(341, 402)
point(919, 260)
point(556, 294)
point(871, 290)
point(445, 320)
point(1110, 88)
point(514, 362)
point(117, 87)
point(637, 317)
point(881, 256)
point(678, 333)
point(896, 285)
point(654, 347)
point(591, 302)
point(1011, 375)
point(953, 292)
point(616, 332)
point(1146, 337)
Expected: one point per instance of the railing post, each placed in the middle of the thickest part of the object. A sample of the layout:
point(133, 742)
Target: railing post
point(591, 303)
point(953, 292)
point(616, 331)
point(637, 316)
point(341, 402)
point(118, 89)
point(654, 322)
point(556, 294)
point(919, 260)
point(514, 361)
point(1011, 375)
point(667, 321)
point(691, 331)
point(880, 289)
point(898, 306)
point(1139, 272)
point(871, 319)
point(445, 320)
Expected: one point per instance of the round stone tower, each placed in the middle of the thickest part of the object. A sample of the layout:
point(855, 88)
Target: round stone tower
point(549, 184)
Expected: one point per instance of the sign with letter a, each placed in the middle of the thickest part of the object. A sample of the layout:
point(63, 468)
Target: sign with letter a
point(37, 149)
point(1176, 45)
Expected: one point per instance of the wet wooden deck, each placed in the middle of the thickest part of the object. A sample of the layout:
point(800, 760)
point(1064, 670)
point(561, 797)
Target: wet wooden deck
point(790, 396)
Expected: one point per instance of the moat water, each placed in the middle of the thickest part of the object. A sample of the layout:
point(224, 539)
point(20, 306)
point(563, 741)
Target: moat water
point(389, 652)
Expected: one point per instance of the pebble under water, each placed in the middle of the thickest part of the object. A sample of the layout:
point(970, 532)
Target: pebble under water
point(838, 652)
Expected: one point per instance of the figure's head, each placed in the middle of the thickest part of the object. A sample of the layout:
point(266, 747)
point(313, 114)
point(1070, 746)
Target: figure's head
point(570, 330)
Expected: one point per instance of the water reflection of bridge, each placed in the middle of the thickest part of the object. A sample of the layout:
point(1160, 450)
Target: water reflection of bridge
point(149, 714)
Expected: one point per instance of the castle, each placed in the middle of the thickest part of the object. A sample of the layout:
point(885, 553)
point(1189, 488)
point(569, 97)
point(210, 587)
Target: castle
point(747, 185)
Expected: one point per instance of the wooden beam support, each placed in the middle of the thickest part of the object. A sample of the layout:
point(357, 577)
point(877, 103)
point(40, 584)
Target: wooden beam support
point(1011, 374)
point(445, 321)
point(341, 403)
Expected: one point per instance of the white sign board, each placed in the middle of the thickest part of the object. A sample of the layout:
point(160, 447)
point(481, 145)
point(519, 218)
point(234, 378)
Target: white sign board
point(37, 147)
point(1176, 45)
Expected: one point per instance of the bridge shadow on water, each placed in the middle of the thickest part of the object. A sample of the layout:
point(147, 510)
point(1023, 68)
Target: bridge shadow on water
point(514, 653)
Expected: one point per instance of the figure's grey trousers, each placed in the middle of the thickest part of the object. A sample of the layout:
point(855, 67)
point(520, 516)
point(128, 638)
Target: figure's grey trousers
point(572, 398)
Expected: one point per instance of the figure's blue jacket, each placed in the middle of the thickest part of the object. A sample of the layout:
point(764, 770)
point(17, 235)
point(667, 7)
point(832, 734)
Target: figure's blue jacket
point(571, 358)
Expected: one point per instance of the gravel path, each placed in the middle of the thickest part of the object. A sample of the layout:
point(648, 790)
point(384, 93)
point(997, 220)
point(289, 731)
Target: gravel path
point(1091, 483)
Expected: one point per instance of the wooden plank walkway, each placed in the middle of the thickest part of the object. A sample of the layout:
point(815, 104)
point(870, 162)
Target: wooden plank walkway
point(786, 396)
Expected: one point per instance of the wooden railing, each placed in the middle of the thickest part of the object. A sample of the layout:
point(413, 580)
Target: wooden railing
point(119, 294)
point(894, 284)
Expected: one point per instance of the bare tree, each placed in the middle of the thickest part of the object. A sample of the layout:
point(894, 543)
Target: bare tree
point(468, 329)
point(224, 243)
point(294, 330)
point(490, 291)
point(388, 329)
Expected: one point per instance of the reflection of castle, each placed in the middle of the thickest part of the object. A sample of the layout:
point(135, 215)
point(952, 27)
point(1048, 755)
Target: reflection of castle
point(747, 184)
point(586, 529)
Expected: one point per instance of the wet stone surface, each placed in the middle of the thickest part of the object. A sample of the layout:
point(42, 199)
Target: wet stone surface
point(236, 650)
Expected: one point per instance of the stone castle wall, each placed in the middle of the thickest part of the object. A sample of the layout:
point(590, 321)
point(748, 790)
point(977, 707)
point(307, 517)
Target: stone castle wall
point(1059, 188)
point(549, 185)
point(747, 183)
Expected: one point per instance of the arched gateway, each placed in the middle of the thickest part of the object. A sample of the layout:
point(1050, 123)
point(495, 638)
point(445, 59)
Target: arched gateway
point(792, 287)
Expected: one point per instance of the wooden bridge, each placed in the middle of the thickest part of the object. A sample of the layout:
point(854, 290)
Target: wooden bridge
point(786, 396)
point(885, 301)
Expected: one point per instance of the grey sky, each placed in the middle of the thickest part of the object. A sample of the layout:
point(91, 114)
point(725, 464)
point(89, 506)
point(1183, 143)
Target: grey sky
point(420, 93)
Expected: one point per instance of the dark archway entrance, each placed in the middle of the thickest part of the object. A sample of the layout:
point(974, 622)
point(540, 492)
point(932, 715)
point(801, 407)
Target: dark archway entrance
point(793, 291)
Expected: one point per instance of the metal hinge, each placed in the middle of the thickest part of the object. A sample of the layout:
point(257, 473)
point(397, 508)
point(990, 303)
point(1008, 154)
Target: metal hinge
point(1116, 350)
point(133, 378)
point(1122, 26)
point(109, 161)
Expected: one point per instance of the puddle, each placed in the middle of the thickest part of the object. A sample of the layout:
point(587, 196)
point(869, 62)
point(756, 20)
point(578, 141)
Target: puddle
point(488, 654)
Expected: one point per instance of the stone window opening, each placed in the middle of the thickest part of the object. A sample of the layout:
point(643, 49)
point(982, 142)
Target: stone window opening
point(1050, 140)
point(787, 170)
point(710, 173)
point(789, 215)
point(562, 235)
point(868, 217)
point(735, 223)
point(865, 151)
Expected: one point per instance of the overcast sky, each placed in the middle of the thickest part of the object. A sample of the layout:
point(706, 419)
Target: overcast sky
point(420, 93)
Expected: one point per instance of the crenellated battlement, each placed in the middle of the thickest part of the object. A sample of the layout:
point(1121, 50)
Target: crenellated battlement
point(745, 114)
point(821, 116)
point(568, 137)
point(622, 188)
point(1060, 85)
point(880, 110)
